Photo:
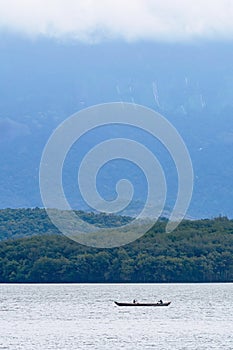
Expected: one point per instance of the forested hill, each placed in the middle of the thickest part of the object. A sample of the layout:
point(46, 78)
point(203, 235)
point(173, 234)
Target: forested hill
point(197, 251)
point(16, 223)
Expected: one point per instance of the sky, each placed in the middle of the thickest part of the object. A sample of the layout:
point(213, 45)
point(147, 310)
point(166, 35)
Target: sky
point(131, 20)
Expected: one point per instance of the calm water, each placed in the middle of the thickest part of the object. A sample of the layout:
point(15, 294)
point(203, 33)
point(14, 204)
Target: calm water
point(85, 317)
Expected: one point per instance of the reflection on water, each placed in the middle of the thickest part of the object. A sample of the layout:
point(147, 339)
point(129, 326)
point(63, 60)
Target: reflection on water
point(35, 317)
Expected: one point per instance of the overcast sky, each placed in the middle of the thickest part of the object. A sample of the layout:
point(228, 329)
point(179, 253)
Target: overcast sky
point(91, 20)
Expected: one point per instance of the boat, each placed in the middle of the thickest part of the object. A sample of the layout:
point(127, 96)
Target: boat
point(143, 304)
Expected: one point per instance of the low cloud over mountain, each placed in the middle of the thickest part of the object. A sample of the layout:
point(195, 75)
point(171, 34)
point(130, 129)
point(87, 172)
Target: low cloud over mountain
point(92, 20)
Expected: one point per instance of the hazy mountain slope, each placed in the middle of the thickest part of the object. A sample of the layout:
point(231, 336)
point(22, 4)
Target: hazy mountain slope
point(43, 82)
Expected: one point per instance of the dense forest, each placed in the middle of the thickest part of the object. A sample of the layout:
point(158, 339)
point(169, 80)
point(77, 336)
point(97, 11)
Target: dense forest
point(16, 223)
point(32, 250)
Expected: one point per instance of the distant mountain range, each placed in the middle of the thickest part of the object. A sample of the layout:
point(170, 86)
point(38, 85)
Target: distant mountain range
point(43, 82)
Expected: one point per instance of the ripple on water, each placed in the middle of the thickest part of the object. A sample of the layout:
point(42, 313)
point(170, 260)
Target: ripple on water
point(35, 317)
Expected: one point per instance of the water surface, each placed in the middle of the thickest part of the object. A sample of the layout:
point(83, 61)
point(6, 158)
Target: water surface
point(73, 316)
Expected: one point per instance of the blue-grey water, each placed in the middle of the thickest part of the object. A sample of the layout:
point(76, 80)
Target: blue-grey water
point(36, 317)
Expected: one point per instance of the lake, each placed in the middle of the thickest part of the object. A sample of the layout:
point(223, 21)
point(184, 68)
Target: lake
point(81, 316)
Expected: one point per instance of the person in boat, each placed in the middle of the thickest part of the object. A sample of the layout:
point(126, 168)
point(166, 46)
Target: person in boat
point(134, 301)
point(160, 301)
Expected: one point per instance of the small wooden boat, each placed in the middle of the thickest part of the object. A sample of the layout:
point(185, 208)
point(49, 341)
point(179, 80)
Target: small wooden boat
point(143, 304)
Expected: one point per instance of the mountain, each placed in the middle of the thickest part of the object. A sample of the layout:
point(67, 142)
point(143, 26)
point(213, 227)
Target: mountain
point(44, 81)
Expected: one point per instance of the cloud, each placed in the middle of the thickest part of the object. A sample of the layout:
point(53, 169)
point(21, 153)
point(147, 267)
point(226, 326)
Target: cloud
point(94, 20)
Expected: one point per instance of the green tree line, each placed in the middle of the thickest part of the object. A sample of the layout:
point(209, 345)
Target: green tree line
point(16, 223)
point(32, 251)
